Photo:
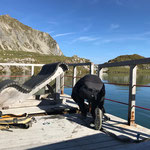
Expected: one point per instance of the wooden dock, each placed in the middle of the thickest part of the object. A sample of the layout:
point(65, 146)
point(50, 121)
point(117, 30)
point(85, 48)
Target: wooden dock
point(68, 131)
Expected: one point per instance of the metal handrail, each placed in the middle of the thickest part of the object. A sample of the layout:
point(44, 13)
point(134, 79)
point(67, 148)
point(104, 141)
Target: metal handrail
point(132, 80)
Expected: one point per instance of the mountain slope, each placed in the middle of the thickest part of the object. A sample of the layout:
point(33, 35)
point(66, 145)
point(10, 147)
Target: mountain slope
point(7, 56)
point(125, 69)
point(125, 58)
point(18, 37)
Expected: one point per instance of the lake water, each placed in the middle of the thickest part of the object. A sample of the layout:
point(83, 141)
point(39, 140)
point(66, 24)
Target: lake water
point(121, 93)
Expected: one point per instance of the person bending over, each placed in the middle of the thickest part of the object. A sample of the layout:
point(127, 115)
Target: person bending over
point(90, 88)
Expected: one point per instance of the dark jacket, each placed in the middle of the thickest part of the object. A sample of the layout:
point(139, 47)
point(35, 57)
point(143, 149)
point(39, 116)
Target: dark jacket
point(89, 87)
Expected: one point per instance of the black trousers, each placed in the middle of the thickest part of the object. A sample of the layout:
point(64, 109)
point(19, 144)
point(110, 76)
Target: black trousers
point(97, 100)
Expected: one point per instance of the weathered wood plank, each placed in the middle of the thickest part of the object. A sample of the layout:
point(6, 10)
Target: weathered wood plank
point(69, 132)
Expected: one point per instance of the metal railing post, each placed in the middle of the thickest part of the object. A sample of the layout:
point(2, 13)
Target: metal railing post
point(57, 89)
point(100, 73)
point(62, 83)
point(74, 76)
point(92, 68)
point(32, 70)
point(132, 93)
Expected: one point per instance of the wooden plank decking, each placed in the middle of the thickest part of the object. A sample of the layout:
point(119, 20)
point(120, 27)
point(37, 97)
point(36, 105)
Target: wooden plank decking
point(68, 131)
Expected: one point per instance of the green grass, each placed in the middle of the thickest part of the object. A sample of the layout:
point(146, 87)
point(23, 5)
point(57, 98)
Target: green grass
point(124, 70)
point(19, 56)
point(36, 58)
point(142, 68)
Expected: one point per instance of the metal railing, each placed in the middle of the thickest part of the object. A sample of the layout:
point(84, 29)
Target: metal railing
point(23, 65)
point(75, 65)
point(132, 80)
point(60, 80)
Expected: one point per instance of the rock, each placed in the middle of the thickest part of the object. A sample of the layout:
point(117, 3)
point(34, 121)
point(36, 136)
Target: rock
point(19, 37)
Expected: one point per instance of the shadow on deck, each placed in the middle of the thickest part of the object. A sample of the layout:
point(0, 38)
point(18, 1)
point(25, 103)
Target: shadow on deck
point(70, 132)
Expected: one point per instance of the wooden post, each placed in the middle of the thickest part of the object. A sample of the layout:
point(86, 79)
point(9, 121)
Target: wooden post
point(74, 76)
point(62, 83)
point(92, 68)
point(132, 93)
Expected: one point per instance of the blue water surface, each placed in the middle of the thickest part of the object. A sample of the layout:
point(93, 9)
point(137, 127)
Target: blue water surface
point(121, 93)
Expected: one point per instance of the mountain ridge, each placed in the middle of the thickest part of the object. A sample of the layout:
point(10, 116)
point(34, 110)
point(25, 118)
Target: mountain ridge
point(125, 69)
point(14, 35)
point(126, 58)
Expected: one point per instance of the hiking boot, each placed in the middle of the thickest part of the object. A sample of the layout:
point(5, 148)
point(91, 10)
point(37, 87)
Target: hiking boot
point(98, 118)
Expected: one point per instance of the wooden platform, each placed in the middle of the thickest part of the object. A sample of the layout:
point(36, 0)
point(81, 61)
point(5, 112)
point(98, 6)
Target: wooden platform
point(68, 131)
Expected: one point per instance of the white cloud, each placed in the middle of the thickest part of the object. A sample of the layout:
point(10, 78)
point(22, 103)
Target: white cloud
point(114, 26)
point(115, 39)
point(86, 39)
point(122, 38)
point(63, 34)
point(103, 41)
point(87, 28)
point(145, 33)
point(50, 32)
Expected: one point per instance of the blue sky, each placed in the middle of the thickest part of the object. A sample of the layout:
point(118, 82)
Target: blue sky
point(98, 30)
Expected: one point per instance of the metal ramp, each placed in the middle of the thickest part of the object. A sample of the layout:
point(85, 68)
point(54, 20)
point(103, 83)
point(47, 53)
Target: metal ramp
point(12, 92)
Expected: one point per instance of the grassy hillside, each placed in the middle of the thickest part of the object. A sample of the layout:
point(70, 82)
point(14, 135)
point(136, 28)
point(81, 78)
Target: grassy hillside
point(36, 58)
point(30, 57)
point(125, 58)
point(145, 68)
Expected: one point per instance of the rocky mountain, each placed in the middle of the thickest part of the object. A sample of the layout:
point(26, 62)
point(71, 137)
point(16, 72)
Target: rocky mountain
point(16, 36)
